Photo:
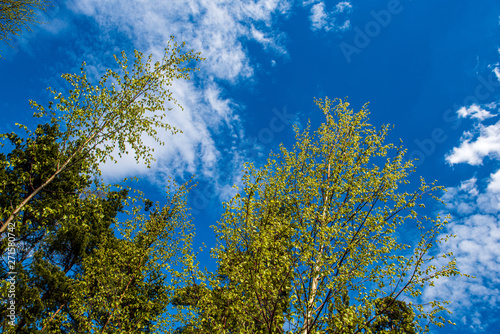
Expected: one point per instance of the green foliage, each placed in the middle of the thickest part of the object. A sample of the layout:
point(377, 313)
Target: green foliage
point(16, 15)
point(114, 115)
point(394, 317)
point(77, 268)
point(64, 224)
point(125, 286)
point(310, 243)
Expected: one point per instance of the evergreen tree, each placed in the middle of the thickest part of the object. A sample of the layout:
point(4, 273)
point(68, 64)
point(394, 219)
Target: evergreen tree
point(62, 227)
point(393, 316)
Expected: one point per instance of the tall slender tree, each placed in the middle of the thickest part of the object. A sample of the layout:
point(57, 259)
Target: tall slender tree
point(111, 117)
point(310, 243)
point(69, 264)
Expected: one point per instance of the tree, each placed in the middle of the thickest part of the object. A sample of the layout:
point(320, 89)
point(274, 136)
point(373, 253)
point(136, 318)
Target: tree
point(74, 271)
point(97, 120)
point(310, 244)
point(16, 15)
point(393, 316)
point(220, 316)
point(59, 229)
point(126, 285)
point(218, 305)
point(190, 297)
point(62, 227)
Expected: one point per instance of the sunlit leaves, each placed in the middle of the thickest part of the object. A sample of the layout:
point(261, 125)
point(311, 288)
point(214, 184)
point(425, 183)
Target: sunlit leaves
point(79, 268)
point(127, 284)
point(114, 115)
point(16, 15)
point(310, 243)
point(122, 108)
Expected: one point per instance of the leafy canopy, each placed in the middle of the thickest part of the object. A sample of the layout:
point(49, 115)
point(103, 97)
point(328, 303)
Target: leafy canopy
point(310, 244)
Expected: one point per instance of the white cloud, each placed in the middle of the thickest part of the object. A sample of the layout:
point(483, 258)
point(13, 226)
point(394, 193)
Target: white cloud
point(474, 111)
point(319, 17)
point(469, 186)
point(214, 27)
point(194, 151)
point(476, 248)
point(323, 20)
point(346, 25)
point(474, 151)
point(343, 6)
point(494, 185)
point(209, 121)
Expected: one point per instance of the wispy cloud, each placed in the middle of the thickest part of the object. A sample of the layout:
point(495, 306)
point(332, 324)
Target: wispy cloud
point(321, 19)
point(210, 121)
point(476, 224)
point(215, 28)
point(475, 111)
point(343, 6)
point(194, 151)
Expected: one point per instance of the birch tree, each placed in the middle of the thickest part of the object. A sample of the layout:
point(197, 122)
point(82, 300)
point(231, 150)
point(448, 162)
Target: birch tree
point(112, 116)
point(311, 244)
point(59, 226)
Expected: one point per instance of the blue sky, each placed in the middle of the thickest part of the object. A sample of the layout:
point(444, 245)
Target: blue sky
point(431, 68)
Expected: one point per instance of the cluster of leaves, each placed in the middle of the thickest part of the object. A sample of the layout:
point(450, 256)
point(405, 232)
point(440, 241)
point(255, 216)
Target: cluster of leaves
point(99, 120)
point(16, 15)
